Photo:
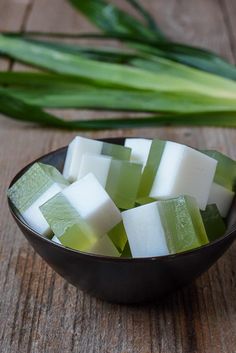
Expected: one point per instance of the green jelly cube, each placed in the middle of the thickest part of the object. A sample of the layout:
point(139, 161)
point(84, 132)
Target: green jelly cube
point(116, 151)
point(102, 246)
point(37, 185)
point(118, 236)
point(144, 201)
point(213, 222)
point(126, 252)
point(79, 236)
point(225, 171)
point(123, 182)
point(150, 169)
point(67, 225)
point(33, 183)
point(72, 230)
point(182, 223)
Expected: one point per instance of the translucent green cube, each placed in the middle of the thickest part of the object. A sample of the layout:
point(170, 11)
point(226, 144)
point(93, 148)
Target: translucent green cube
point(150, 169)
point(73, 232)
point(126, 252)
point(82, 214)
point(116, 151)
point(213, 222)
point(182, 223)
point(225, 171)
point(123, 182)
point(121, 179)
point(118, 236)
point(164, 227)
point(37, 185)
point(103, 246)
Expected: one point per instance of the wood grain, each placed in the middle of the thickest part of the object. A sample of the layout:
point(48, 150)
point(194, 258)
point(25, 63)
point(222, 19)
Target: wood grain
point(39, 311)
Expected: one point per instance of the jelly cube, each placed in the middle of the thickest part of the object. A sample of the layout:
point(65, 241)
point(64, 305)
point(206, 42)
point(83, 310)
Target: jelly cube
point(120, 179)
point(184, 171)
point(213, 222)
point(164, 227)
point(81, 214)
point(80, 145)
point(37, 185)
point(222, 197)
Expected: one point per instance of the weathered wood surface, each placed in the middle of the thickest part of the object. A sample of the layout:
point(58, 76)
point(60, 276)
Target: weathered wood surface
point(39, 311)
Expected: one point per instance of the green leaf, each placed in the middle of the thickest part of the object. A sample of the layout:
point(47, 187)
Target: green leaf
point(115, 75)
point(54, 60)
point(201, 59)
point(17, 109)
point(54, 91)
point(185, 54)
point(106, 54)
point(110, 19)
point(164, 66)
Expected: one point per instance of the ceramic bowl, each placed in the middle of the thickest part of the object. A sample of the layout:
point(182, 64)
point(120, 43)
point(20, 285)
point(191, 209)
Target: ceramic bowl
point(123, 280)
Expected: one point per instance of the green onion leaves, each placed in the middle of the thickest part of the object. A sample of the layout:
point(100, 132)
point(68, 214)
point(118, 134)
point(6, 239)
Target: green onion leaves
point(180, 84)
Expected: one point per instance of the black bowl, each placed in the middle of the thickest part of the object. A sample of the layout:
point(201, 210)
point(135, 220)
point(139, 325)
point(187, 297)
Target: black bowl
point(118, 279)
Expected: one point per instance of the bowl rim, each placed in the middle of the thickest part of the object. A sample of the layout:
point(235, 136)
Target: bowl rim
point(230, 233)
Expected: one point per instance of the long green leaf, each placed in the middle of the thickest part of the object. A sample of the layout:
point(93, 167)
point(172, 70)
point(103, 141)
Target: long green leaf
point(106, 54)
point(54, 93)
point(113, 20)
point(199, 58)
point(16, 109)
point(165, 66)
point(185, 54)
point(112, 74)
point(54, 60)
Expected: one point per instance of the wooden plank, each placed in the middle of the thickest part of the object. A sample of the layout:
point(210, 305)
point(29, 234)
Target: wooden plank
point(228, 8)
point(12, 16)
point(200, 23)
point(39, 311)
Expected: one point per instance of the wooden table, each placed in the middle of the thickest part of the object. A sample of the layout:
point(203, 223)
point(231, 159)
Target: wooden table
point(39, 311)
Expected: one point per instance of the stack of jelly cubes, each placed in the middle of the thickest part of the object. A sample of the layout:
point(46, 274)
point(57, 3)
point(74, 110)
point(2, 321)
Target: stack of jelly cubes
point(146, 198)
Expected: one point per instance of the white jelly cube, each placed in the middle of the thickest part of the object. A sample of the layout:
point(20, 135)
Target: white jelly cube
point(222, 197)
point(80, 145)
point(184, 171)
point(93, 204)
point(140, 149)
point(75, 152)
point(34, 217)
point(164, 227)
point(145, 231)
point(99, 166)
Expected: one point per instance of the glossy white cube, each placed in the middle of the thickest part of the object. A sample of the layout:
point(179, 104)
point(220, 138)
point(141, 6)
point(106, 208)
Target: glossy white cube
point(140, 149)
point(93, 204)
point(99, 166)
point(184, 171)
point(76, 150)
point(33, 215)
point(145, 231)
